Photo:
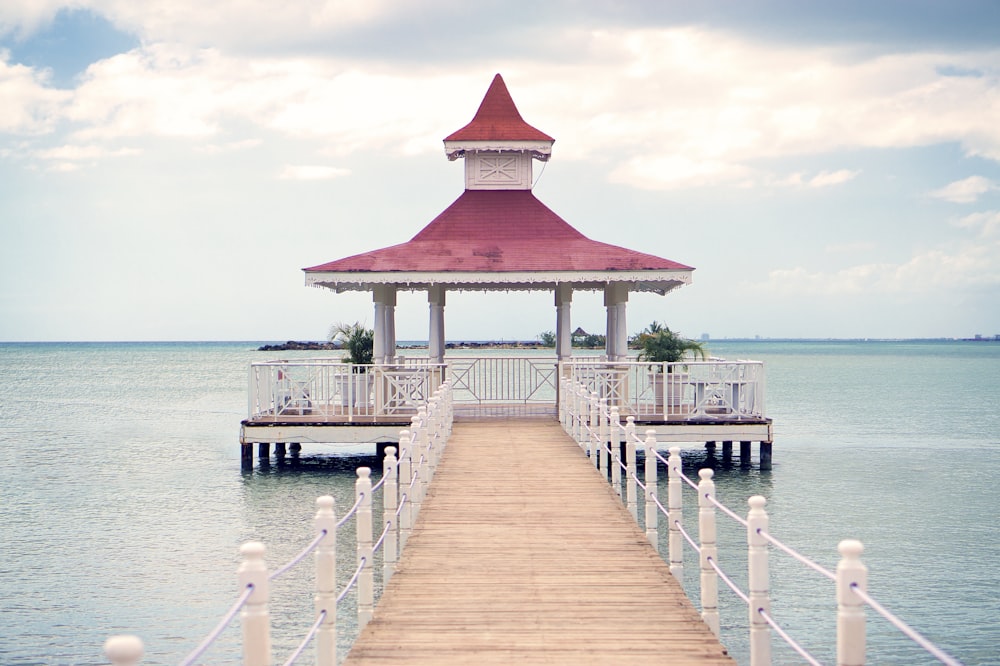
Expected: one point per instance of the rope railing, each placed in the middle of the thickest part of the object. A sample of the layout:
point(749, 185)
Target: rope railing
point(219, 628)
point(404, 483)
point(596, 426)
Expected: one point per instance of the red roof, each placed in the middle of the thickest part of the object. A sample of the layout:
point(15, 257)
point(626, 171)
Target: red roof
point(498, 120)
point(498, 231)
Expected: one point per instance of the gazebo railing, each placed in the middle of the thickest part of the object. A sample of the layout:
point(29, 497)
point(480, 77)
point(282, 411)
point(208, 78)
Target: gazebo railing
point(689, 391)
point(330, 390)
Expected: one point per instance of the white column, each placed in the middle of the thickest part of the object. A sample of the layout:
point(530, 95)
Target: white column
point(378, 346)
point(621, 338)
point(435, 339)
point(616, 333)
point(564, 329)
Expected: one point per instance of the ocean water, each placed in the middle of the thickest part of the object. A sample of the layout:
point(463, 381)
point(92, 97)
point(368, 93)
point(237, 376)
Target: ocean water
point(123, 503)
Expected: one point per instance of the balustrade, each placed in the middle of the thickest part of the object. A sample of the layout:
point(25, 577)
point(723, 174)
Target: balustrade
point(850, 577)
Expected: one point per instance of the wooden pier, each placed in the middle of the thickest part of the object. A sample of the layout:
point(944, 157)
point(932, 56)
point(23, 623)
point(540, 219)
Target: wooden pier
point(523, 554)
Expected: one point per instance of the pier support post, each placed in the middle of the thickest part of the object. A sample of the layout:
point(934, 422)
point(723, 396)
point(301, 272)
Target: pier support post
point(405, 491)
point(295, 447)
point(389, 504)
point(615, 452)
point(675, 513)
point(630, 484)
point(279, 449)
point(264, 450)
point(709, 551)
point(758, 582)
point(246, 453)
point(366, 579)
point(593, 435)
point(727, 454)
point(326, 582)
point(744, 454)
point(850, 607)
point(765, 455)
point(254, 618)
point(651, 490)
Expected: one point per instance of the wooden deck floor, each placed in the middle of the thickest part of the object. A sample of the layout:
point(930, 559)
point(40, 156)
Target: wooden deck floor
point(522, 554)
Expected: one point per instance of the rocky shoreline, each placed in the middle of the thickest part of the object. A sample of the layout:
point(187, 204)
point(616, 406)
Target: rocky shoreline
point(295, 345)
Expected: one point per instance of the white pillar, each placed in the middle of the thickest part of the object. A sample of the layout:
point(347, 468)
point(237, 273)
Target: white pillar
point(621, 339)
point(384, 296)
point(564, 330)
point(435, 341)
point(616, 333)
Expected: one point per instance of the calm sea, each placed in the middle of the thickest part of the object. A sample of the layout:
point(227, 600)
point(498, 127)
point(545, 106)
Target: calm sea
point(123, 503)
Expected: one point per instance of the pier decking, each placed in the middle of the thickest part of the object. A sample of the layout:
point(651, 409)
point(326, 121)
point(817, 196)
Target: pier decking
point(523, 554)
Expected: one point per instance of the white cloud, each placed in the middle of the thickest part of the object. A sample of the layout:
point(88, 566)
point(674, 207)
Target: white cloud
point(972, 265)
point(967, 190)
point(28, 106)
point(827, 178)
point(312, 172)
point(822, 179)
point(986, 222)
point(672, 108)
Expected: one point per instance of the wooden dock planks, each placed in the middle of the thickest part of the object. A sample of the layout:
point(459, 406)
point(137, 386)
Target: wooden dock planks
point(522, 554)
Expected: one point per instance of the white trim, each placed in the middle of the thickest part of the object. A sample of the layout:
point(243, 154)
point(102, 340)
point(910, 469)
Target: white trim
point(660, 281)
point(540, 150)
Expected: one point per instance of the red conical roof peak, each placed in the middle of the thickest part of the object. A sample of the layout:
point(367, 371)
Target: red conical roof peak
point(498, 120)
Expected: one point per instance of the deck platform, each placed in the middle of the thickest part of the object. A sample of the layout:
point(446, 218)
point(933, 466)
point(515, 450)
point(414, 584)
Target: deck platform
point(523, 554)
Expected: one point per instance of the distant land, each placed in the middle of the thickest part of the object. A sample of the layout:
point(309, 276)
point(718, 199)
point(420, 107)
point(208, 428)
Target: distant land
point(294, 345)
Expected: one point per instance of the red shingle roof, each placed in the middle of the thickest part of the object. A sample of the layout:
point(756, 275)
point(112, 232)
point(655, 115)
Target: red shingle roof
point(499, 231)
point(498, 120)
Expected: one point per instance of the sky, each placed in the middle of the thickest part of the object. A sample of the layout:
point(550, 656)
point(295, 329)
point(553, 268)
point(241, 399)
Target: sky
point(168, 167)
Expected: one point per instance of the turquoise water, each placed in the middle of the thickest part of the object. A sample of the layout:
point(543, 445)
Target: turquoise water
point(123, 504)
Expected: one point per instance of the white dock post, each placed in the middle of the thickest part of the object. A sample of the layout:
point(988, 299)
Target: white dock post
point(326, 582)
point(604, 435)
point(630, 486)
point(615, 455)
point(416, 462)
point(758, 583)
point(363, 520)
point(850, 607)
point(254, 618)
point(651, 490)
point(595, 430)
point(675, 498)
point(405, 494)
point(709, 549)
point(123, 650)
point(390, 503)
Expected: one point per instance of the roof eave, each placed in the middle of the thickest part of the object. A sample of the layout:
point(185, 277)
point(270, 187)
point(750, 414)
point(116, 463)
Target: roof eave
point(540, 150)
point(655, 281)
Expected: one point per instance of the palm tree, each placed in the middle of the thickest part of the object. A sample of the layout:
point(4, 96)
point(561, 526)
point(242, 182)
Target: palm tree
point(357, 340)
point(658, 344)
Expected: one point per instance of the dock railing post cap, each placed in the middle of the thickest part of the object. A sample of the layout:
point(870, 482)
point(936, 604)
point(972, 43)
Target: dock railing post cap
point(123, 649)
point(253, 550)
point(757, 502)
point(325, 502)
point(364, 472)
point(705, 474)
point(850, 548)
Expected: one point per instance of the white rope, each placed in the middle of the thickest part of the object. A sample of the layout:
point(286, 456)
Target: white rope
point(911, 633)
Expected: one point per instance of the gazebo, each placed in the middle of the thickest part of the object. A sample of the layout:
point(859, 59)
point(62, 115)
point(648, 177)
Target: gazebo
point(498, 237)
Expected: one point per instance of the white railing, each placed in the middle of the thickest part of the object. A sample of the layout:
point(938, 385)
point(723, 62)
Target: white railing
point(404, 485)
point(603, 436)
point(687, 391)
point(330, 390)
point(503, 379)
